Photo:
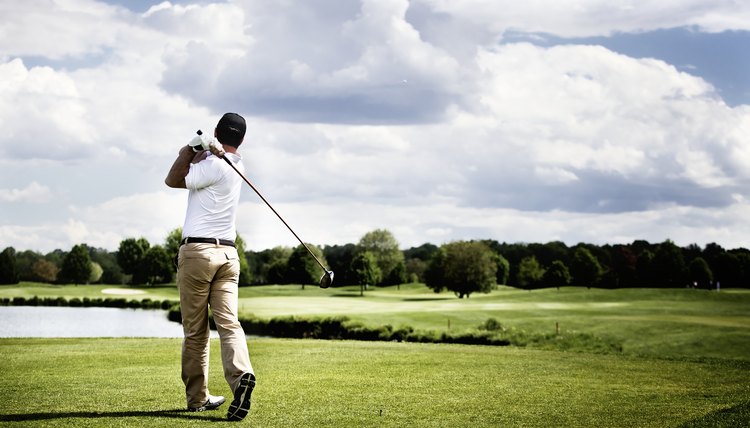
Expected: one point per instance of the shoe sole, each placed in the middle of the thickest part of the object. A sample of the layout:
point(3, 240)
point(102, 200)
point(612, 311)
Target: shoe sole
point(241, 404)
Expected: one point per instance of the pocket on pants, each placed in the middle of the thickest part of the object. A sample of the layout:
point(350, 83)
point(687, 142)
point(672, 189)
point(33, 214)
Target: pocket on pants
point(231, 254)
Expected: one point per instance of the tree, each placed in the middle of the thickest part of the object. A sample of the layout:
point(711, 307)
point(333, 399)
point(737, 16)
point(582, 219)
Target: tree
point(365, 270)
point(340, 259)
point(415, 269)
point(76, 267)
point(669, 265)
point(514, 253)
point(727, 270)
point(8, 270)
point(96, 273)
point(45, 271)
point(269, 266)
point(246, 275)
point(130, 254)
point(530, 273)
point(463, 267)
point(699, 272)
point(557, 275)
point(172, 246)
point(397, 275)
point(622, 270)
point(585, 268)
point(111, 271)
point(302, 268)
point(155, 267)
point(55, 256)
point(644, 276)
point(416, 261)
point(549, 252)
point(503, 269)
point(424, 252)
point(25, 262)
point(383, 245)
point(743, 260)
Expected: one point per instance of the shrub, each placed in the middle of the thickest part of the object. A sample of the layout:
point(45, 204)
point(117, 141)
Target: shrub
point(491, 325)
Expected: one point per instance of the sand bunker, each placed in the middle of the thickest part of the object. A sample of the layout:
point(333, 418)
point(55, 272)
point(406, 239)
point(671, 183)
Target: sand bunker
point(122, 291)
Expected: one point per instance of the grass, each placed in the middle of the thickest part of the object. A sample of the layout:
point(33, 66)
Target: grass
point(671, 323)
point(685, 363)
point(675, 323)
point(135, 382)
point(31, 289)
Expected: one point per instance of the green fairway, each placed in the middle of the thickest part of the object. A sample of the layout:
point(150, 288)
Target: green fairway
point(31, 289)
point(136, 382)
point(672, 323)
point(678, 323)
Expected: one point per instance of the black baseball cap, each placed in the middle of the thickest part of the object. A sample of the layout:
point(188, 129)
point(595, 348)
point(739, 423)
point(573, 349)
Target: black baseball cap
point(231, 129)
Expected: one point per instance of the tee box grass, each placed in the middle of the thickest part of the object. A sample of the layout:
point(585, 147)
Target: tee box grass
point(685, 363)
point(136, 382)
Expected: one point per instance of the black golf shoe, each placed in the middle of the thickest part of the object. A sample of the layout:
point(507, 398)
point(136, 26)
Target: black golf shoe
point(241, 403)
point(212, 403)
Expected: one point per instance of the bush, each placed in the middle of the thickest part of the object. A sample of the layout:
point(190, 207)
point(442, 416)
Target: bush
point(88, 302)
point(491, 325)
point(490, 333)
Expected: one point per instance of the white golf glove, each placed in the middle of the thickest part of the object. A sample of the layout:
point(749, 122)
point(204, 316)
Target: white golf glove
point(198, 143)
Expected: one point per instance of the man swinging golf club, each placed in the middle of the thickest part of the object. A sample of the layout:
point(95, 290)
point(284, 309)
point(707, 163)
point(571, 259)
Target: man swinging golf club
point(208, 265)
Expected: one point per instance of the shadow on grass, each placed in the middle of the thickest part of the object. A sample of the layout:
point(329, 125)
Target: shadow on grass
point(735, 416)
point(176, 414)
point(428, 299)
point(345, 294)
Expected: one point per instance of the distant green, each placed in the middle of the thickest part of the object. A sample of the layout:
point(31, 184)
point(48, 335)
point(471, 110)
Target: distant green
point(673, 323)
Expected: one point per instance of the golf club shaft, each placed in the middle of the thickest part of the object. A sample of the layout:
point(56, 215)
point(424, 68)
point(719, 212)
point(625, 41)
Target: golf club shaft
point(274, 211)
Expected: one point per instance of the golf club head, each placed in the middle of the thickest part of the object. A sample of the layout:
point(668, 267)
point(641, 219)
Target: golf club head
point(327, 279)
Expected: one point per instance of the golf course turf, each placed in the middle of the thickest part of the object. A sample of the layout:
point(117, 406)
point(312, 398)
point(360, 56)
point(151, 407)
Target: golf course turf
point(685, 363)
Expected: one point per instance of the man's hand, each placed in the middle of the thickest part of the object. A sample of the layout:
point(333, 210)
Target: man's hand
point(216, 148)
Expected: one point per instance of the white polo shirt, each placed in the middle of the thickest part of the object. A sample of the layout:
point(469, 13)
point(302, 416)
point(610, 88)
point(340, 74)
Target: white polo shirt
point(213, 199)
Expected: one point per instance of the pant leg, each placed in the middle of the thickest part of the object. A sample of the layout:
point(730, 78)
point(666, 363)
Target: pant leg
point(224, 301)
point(193, 280)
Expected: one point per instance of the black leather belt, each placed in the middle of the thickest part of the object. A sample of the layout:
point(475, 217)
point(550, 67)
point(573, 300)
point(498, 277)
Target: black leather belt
point(216, 241)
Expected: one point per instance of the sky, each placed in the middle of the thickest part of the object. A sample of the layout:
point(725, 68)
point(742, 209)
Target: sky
point(537, 121)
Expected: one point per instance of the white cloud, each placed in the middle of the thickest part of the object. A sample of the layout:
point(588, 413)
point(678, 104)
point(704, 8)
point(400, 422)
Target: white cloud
point(363, 66)
point(366, 115)
point(33, 193)
point(104, 225)
point(323, 224)
point(43, 113)
point(582, 18)
point(78, 28)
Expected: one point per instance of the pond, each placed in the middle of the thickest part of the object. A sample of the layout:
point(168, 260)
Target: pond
point(50, 321)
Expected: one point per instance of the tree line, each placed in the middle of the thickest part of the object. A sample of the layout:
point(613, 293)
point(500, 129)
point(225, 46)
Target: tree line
point(463, 267)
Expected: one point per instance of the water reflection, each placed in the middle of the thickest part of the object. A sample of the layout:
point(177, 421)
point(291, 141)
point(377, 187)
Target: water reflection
point(44, 321)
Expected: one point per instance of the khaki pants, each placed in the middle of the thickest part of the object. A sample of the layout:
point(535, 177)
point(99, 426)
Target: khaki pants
point(207, 275)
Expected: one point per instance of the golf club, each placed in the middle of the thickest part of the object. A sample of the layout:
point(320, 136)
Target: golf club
point(327, 279)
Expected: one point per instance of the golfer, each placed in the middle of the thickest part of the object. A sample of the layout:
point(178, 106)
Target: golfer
point(208, 266)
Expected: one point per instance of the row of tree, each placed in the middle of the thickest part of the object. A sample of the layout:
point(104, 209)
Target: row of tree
point(463, 267)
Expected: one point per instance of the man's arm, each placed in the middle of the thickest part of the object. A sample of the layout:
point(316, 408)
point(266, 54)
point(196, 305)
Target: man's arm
point(181, 167)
